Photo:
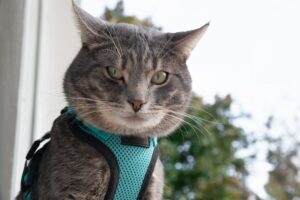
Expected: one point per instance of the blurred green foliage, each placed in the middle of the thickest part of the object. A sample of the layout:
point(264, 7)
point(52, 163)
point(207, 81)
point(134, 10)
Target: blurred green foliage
point(283, 155)
point(200, 157)
point(117, 15)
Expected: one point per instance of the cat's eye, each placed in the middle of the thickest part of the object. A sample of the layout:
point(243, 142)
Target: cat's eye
point(114, 73)
point(159, 77)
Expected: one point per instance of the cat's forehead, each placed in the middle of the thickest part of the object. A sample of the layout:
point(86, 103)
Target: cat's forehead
point(133, 31)
point(136, 46)
point(137, 61)
point(134, 37)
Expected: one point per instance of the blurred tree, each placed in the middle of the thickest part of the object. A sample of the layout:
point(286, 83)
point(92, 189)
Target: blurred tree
point(200, 157)
point(117, 15)
point(283, 155)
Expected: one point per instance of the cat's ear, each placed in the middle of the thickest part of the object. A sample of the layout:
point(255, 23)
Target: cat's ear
point(185, 42)
point(89, 26)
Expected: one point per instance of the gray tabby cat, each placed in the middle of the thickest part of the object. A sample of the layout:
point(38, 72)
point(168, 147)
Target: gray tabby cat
point(127, 80)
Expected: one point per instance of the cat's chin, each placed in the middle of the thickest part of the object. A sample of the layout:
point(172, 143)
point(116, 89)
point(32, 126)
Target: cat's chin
point(137, 122)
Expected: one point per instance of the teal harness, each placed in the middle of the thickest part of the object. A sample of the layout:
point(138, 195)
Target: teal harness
point(131, 159)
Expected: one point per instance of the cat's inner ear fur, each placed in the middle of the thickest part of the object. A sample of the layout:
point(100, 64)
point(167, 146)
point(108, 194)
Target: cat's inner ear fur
point(185, 42)
point(91, 28)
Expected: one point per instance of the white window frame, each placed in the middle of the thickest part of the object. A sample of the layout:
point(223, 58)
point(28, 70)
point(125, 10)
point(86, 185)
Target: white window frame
point(36, 111)
point(26, 97)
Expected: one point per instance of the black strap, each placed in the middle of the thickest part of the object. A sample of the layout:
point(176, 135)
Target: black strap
point(30, 172)
point(149, 173)
point(135, 141)
point(33, 159)
point(105, 151)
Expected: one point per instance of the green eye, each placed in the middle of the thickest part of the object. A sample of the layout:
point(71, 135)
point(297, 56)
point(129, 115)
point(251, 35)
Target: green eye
point(114, 73)
point(159, 77)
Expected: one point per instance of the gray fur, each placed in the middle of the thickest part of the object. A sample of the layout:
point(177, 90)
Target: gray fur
point(71, 169)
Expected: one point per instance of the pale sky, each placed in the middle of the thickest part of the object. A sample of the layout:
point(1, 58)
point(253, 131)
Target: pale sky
point(251, 51)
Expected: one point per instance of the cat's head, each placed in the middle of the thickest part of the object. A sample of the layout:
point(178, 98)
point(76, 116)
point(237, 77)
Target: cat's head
point(130, 80)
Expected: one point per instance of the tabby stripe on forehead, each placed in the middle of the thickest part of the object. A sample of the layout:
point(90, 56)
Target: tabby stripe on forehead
point(146, 57)
point(140, 53)
point(154, 62)
point(132, 58)
point(151, 54)
point(98, 46)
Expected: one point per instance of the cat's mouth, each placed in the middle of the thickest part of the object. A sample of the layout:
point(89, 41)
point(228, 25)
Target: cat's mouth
point(137, 120)
point(139, 117)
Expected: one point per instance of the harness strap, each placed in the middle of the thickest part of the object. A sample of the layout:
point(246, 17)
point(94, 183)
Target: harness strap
point(31, 167)
point(33, 158)
point(36, 145)
point(106, 152)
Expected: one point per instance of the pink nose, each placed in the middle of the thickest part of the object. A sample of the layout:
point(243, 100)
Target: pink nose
point(136, 104)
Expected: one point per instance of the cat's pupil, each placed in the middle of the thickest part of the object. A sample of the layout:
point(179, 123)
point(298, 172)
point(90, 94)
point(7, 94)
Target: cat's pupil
point(114, 73)
point(159, 77)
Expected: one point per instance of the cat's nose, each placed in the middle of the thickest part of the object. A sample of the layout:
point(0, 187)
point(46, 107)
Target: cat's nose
point(136, 104)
